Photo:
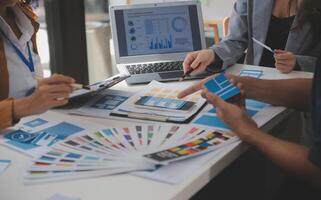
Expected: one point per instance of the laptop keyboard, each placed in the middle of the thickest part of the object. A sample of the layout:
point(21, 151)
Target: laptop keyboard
point(155, 67)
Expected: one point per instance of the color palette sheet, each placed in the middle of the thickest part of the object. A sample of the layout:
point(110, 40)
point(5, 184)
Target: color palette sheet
point(117, 150)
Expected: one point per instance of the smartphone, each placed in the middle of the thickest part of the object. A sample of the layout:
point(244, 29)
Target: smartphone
point(164, 103)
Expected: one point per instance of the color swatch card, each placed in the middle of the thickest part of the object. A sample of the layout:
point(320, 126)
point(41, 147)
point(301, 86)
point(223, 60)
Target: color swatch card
point(158, 101)
point(4, 164)
point(206, 142)
point(222, 87)
point(102, 104)
point(251, 73)
point(121, 150)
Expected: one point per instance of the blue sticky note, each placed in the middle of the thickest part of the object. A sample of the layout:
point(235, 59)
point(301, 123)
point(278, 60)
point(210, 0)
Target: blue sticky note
point(251, 73)
point(249, 112)
point(35, 123)
point(211, 121)
point(222, 87)
point(255, 104)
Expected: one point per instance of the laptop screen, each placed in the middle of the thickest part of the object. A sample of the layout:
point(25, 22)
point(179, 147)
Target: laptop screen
point(158, 30)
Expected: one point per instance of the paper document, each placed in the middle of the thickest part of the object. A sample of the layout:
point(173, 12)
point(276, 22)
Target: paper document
point(35, 134)
point(168, 114)
point(102, 104)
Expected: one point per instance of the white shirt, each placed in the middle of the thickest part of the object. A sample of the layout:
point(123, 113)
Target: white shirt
point(21, 80)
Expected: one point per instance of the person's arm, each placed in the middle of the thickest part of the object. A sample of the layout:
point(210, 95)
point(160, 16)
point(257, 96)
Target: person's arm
point(306, 63)
point(233, 46)
point(51, 92)
point(228, 51)
point(6, 116)
point(292, 93)
point(294, 158)
point(291, 157)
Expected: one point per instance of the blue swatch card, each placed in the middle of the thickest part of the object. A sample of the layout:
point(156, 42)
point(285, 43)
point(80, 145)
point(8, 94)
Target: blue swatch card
point(222, 87)
point(251, 73)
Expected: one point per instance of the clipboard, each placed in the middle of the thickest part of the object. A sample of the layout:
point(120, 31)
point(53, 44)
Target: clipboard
point(99, 86)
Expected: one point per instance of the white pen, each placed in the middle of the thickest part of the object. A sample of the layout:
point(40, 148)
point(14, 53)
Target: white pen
point(263, 45)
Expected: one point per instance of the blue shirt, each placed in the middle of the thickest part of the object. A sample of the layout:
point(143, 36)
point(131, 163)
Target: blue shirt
point(315, 151)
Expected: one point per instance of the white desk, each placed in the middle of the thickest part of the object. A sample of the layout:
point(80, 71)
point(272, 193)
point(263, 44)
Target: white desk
point(125, 186)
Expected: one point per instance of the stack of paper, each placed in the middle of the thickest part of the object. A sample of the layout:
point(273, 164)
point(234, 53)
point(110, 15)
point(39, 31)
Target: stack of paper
point(121, 150)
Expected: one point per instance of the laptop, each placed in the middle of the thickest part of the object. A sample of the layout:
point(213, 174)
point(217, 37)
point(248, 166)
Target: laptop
point(152, 40)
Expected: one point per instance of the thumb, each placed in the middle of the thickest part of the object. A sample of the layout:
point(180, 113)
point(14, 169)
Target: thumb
point(215, 100)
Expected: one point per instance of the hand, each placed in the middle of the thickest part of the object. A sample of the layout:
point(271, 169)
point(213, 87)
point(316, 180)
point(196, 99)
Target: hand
point(284, 61)
point(233, 116)
point(198, 60)
point(194, 88)
point(51, 92)
point(235, 80)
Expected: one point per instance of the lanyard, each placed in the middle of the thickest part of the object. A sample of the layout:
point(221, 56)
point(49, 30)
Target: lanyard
point(28, 63)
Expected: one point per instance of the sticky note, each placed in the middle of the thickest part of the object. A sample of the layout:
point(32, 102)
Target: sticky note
point(251, 73)
point(4, 165)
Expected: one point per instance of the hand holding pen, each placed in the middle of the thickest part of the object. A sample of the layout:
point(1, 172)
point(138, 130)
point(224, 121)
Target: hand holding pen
point(49, 93)
point(285, 61)
point(196, 62)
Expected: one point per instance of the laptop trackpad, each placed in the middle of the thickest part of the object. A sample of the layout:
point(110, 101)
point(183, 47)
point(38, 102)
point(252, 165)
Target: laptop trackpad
point(170, 75)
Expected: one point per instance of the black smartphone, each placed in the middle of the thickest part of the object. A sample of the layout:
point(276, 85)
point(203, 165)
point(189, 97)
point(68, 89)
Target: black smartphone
point(164, 103)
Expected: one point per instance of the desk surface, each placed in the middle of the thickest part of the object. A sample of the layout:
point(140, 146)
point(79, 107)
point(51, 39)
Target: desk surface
point(125, 186)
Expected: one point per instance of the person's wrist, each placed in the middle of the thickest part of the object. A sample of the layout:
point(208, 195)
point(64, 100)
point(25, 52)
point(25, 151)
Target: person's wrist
point(212, 60)
point(251, 135)
point(22, 107)
point(248, 86)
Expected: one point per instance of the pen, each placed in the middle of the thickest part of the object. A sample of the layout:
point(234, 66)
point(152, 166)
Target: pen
point(263, 45)
point(188, 72)
point(75, 86)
